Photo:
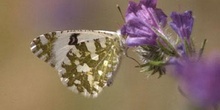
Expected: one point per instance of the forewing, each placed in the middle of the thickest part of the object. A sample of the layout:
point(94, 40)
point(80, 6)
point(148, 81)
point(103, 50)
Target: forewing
point(86, 60)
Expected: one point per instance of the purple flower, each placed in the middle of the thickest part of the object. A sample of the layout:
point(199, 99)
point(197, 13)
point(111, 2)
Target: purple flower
point(182, 23)
point(200, 80)
point(141, 21)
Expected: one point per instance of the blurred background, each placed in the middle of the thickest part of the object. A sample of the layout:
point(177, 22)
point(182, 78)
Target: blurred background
point(27, 83)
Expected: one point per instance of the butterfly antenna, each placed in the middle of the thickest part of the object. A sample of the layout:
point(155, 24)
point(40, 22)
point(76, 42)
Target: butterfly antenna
point(126, 50)
point(126, 54)
point(119, 9)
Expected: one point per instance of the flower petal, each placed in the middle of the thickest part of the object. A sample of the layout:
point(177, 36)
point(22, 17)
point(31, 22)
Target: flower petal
point(132, 7)
point(162, 17)
point(141, 21)
point(199, 80)
point(149, 3)
point(136, 41)
point(182, 23)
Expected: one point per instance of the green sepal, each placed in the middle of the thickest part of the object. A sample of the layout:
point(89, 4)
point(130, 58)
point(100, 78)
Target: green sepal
point(154, 66)
point(170, 46)
point(164, 49)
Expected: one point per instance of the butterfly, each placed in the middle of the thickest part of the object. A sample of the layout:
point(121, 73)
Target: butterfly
point(86, 60)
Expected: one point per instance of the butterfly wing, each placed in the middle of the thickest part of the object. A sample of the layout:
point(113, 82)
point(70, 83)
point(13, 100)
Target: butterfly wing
point(86, 60)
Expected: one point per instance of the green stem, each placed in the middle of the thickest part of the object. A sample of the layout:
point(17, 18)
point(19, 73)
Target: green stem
point(202, 48)
point(164, 49)
point(163, 37)
point(170, 46)
point(187, 47)
point(152, 63)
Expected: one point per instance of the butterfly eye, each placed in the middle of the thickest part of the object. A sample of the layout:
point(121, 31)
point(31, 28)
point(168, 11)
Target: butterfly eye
point(73, 39)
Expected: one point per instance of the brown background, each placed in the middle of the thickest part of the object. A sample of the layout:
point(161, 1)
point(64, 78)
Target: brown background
point(27, 83)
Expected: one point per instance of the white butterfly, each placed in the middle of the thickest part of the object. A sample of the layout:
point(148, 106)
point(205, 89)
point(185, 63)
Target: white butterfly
point(86, 60)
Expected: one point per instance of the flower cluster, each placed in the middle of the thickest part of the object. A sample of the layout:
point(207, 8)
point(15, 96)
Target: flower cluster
point(141, 22)
point(199, 80)
point(144, 30)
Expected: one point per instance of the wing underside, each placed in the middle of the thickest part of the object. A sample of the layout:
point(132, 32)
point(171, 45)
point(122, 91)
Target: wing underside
point(86, 60)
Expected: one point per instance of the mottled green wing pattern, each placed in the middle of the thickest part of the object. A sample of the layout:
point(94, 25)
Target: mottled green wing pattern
point(86, 60)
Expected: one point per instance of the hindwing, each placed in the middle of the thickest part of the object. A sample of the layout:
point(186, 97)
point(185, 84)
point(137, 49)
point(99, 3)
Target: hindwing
point(85, 60)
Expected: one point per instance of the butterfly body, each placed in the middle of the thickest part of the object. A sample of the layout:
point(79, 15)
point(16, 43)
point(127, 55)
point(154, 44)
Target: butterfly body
point(85, 60)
